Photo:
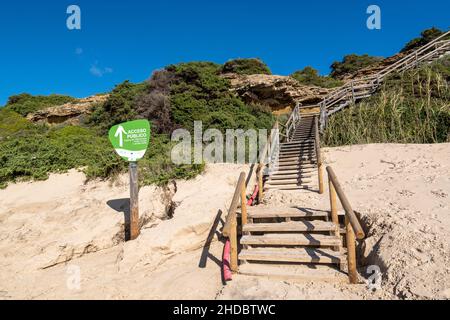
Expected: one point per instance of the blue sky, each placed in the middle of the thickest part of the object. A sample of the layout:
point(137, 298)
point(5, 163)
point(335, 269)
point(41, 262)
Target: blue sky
point(130, 39)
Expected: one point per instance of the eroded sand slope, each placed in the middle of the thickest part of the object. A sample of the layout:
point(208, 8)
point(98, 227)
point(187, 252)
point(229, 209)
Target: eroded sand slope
point(49, 229)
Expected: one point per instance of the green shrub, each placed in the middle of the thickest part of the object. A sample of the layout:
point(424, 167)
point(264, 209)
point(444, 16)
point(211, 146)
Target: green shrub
point(246, 66)
point(352, 63)
point(37, 154)
point(310, 76)
point(411, 108)
point(425, 37)
point(120, 106)
point(12, 123)
point(25, 103)
point(200, 94)
point(174, 97)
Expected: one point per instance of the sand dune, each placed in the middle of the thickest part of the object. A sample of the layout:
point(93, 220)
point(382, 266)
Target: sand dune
point(53, 230)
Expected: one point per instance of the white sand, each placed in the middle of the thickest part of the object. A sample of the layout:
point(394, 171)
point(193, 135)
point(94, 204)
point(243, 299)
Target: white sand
point(49, 229)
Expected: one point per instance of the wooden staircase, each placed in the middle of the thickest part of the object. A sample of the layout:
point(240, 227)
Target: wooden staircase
point(287, 234)
point(365, 87)
point(265, 239)
point(297, 159)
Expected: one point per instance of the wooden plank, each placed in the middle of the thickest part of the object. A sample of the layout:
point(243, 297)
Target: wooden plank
point(289, 176)
point(293, 142)
point(292, 240)
point(282, 167)
point(294, 272)
point(286, 181)
point(284, 212)
point(288, 188)
point(287, 172)
point(299, 226)
point(303, 255)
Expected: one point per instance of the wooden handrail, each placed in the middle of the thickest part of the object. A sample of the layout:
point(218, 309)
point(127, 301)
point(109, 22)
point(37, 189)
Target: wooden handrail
point(234, 205)
point(318, 154)
point(429, 50)
point(346, 205)
point(262, 163)
point(230, 228)
point(352, 224)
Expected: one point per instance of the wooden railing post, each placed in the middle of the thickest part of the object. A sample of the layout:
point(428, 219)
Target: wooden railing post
point(230, 228)
point(334, 214)
point(319, 155)
point(234, 246)
point(351, 251)
point(260, 183)
point(243, 205)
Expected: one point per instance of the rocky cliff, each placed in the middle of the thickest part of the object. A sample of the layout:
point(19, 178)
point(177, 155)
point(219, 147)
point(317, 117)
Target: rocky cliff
point(70, 113)
point(277, 92)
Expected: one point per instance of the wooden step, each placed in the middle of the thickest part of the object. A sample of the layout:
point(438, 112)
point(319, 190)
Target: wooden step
point(298, 147)
point(294, 171)
point(298, 226)
point(303, 255)
point(293, 153)
point(263, 211)
point(294, 142)
point(297, 163)
point(286, 239)
point(294, 272)
point(287, 181)
point(289, 188)
point(284, 212)
point(283, 167)
point(300, 162)
point(302, 149)
point(296, 157)
point(296, 176)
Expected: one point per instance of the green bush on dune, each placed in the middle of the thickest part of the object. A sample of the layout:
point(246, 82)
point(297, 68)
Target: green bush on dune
point(26, 103)
point(352, 63)
point(310, 76)
point(173, 98)
point(199, 94)
point(246, 67)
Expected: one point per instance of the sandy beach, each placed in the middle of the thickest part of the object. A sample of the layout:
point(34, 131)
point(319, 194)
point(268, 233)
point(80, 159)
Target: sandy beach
point(52, 231)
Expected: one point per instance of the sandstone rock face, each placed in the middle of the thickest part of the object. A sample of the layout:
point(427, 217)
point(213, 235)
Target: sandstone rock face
point(69, 113)
point(277, 92)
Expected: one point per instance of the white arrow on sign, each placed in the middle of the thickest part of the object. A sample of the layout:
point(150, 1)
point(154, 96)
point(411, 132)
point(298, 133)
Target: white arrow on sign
point(119, 133)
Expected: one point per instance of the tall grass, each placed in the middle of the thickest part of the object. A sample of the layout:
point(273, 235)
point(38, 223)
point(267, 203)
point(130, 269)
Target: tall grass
point(413, 107)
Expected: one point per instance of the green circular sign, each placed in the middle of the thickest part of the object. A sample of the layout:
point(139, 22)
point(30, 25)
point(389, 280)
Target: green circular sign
point(131, 139)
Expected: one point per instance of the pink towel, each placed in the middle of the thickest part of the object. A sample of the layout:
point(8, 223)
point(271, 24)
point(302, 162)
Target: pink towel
point(227, 275)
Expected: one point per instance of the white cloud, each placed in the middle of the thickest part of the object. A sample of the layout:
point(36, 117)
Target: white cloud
point(99, 72)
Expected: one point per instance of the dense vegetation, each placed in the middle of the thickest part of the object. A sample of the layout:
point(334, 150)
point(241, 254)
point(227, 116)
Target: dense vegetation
point(310, 76)
point(412, 107)
point(25, 103)
point(246, 66)
point(172, 98)
point(352, 63)
point(425, 37)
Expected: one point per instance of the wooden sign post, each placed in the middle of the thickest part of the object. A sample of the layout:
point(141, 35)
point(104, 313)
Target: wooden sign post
point(130, 140)
point(134, 201)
